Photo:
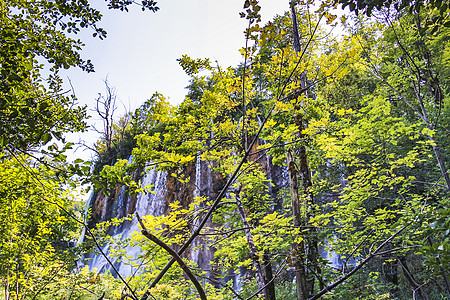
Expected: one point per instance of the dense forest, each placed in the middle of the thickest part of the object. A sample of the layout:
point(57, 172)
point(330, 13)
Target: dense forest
point(349, 99)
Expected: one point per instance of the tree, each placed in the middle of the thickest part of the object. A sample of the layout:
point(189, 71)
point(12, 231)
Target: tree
point(105, 108)
point(225, 117)
point(36, 234)
point(438, 9)
point(34, 109)
point(349, 116)
point(387, 151)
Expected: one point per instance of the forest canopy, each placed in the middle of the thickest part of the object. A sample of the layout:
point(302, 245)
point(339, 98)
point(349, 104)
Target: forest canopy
point(358, 122)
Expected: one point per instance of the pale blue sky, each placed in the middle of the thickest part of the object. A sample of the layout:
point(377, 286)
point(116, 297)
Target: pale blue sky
point(139, 55)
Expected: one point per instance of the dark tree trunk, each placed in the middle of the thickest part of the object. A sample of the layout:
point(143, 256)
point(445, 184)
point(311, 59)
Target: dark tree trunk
point(410, 278)
point(269, 281)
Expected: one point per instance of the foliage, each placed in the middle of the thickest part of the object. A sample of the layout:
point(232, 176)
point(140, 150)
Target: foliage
point(37, 40)
point(36, 231)
point(35, 110)
point(360, 124)
point(368, 144)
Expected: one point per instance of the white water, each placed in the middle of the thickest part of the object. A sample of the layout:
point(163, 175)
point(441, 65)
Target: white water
point(195, 245)
point(154, 204)
point(150, 203)
point(335, 260)
point(86, 210)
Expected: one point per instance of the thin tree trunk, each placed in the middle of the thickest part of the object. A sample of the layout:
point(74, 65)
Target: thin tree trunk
point(313, 252)
point(410, 278)
point(310, 245)
point(422, 112)
point(7, 286)
point(251, 245)
point(268, 278)
point(440, 160)
point(299, 249)
point(435, 146)
point(299, 259)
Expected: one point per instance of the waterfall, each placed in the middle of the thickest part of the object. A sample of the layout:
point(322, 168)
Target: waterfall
point(335, 260)
point(195, 252)
point(150, 203)
point(86, 210)
point(206, 184)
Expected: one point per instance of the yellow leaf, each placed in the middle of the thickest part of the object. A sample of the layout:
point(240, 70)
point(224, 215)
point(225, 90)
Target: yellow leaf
point(271, 123)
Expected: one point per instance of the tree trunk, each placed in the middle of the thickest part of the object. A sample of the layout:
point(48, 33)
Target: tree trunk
point(410, 278)
point(299, 248)
point(313, 268)
point(269, 281)
point(310, 252)
point(251, 245)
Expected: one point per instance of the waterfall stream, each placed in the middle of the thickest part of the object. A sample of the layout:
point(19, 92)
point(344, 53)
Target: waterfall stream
point(150, 203)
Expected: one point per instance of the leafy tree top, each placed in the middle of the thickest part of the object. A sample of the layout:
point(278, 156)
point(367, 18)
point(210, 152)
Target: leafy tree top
point(38, 38)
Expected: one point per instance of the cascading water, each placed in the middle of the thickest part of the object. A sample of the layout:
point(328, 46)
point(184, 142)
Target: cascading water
point(86, 210)
point(195, 252)
point(150, 203)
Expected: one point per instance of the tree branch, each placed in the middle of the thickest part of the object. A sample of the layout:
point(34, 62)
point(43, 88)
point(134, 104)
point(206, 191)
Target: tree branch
point(174, 254)
point(359, 266)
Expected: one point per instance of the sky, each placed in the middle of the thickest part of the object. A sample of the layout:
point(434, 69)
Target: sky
point(139, 55)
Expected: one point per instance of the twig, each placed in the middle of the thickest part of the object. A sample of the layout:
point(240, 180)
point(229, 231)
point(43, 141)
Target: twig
point(397, 249)
point(354, 250)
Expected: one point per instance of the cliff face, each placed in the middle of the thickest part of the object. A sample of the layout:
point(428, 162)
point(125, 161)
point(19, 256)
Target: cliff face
point(167, 189)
